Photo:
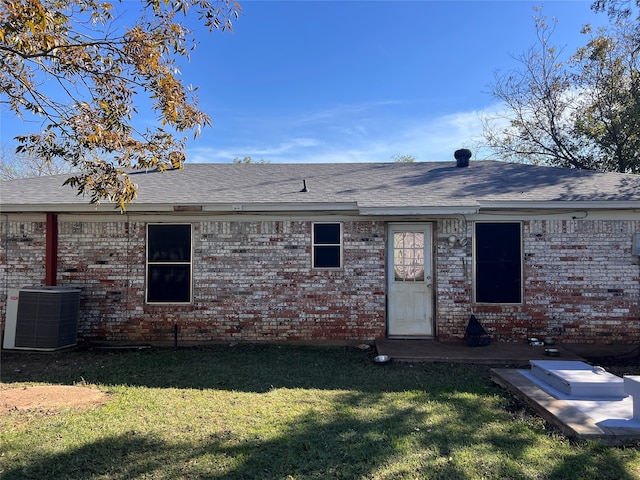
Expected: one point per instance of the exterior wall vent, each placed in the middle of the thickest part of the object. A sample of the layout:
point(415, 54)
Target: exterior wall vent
point(636, 244)
point(41, 318)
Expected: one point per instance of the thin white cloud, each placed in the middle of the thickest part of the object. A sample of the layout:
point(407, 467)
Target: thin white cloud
point(437, 138)
point(365, 138)
point(266, 152)
point(339, 112)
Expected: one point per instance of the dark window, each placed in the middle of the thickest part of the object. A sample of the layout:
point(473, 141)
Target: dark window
point(168, 263)
point(327, 245)
point(498, 263)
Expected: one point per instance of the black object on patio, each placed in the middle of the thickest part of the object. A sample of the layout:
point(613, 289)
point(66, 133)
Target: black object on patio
point(476, 336)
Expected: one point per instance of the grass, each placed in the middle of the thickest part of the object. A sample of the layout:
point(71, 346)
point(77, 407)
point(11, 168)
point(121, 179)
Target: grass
point(275, 412)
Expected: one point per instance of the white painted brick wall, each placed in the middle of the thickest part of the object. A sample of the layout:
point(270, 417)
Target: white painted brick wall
point(253, 281)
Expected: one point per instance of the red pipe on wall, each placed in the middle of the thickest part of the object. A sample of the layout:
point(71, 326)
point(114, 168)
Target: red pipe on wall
point(51, 251)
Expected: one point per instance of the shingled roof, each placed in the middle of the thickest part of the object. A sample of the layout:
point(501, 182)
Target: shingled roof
point(368, 188)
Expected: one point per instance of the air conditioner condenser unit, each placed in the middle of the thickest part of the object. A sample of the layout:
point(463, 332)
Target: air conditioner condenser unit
point(41, 318)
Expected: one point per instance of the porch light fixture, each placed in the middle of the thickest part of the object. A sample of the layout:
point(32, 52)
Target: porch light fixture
point(455, 242)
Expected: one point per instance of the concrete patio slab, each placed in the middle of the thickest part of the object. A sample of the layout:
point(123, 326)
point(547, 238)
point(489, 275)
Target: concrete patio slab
point(605, 422)
point(602, 420)
point(492, 354)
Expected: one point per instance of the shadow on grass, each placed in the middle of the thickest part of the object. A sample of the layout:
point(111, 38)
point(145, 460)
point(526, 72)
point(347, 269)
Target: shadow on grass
point(247, 368)
point(343, 446)
point(469, 437)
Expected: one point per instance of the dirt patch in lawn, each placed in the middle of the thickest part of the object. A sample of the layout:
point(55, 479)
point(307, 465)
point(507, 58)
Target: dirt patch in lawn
point(50, 397)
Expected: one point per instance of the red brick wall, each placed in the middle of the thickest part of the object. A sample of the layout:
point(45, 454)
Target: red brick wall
point(22, 254)
point(253, 281)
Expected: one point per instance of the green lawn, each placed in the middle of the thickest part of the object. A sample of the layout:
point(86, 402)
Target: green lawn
point(274, 412)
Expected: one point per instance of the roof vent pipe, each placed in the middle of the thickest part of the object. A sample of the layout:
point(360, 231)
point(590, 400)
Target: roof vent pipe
point(462, 157)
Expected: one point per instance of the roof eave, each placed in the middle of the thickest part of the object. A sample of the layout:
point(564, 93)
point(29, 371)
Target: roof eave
point(562, 205)
point(344, 207)
point(58, 208)
point(239, 207)
point(404, 211)
point(281, 207)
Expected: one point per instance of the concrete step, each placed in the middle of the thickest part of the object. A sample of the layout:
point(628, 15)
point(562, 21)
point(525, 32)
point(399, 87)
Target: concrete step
point(578, 379)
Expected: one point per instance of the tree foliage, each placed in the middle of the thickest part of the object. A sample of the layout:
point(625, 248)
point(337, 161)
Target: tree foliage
point(248, 160)
point(79, 68)
point(582, 112)
point(610, 84)
point(619, 9)
point(398, 158)
point(13, 165)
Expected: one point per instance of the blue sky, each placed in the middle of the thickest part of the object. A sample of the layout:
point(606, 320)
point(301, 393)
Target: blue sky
point(355, 81)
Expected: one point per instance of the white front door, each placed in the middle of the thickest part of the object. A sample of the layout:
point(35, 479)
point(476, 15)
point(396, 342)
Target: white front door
point(409, 277)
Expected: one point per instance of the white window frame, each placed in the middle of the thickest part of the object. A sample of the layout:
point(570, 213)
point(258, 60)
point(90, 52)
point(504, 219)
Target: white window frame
point(315, 245)
point(150, 262)
point(475, 265)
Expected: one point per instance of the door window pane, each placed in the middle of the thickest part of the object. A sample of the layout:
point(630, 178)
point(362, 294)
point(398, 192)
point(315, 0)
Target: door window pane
point(408, 256)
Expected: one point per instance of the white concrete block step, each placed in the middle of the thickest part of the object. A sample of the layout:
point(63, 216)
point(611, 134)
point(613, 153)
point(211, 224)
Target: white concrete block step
point(578, 379)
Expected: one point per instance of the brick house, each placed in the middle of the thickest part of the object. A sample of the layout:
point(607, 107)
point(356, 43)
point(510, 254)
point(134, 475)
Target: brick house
point(337, 252)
